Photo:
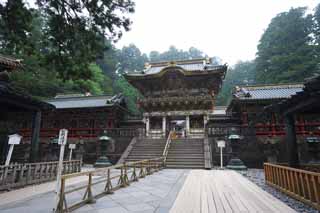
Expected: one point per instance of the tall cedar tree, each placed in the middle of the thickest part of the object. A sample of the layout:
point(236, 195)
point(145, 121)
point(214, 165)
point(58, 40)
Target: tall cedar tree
point(285, 52)
point(78, 29)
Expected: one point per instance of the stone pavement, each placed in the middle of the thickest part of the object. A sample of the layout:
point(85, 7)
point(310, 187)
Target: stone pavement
point(169, 190)
point(34, 190)
point(154, 193)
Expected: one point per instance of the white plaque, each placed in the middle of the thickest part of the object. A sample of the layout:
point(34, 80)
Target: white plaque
point(63, 135)
point(221, 144)
point(72, 146)
point(14, 139)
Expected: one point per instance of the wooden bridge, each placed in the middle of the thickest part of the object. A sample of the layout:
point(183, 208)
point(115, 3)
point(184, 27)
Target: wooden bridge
point(224, 191)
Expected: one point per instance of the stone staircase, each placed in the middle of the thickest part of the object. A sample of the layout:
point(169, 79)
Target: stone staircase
point(186, 153)
point(146, 149)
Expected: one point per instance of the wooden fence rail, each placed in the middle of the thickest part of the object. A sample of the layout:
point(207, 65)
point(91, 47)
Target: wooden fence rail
point(103, 181)
point(300, 184)
point(18, 175)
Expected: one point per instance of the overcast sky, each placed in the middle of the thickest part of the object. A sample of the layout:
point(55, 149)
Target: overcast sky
point(229, 29)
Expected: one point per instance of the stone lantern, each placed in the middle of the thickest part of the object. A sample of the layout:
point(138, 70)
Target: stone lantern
point(313, 149)
point(103, 160)
point(235, 163)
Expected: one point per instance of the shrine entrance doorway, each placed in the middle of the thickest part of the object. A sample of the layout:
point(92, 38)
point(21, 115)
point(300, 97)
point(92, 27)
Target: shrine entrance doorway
point(177, 125)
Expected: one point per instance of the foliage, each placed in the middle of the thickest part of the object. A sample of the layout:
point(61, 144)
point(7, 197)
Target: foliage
point(131, 59)
point(175, 54)
point(131, 94)
point(286, 52)
point(15, 28)
point(75, 39)
point(243, 73)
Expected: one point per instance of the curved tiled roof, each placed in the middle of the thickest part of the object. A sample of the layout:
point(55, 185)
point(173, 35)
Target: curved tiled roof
point(9, 63)
point(264, 92)
point(85, 101)
point(11, 95)
point(191, 66)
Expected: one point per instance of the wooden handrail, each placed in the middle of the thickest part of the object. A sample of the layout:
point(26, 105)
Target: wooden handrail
point(300, 184)
point(125, 173)
point(166, 148)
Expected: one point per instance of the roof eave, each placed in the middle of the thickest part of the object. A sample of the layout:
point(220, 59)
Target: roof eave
point(134, 76)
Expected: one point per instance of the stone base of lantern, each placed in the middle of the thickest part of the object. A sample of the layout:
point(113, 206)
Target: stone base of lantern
point(102, 161)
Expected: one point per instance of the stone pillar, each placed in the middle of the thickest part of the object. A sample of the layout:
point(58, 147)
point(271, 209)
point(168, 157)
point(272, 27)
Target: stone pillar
point(164, 126)
point(147, 120)
point(291, 141)
point(187, 125)
point(36, 122)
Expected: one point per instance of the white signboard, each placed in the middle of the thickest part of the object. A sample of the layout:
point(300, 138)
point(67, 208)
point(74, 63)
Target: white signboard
point(221, 144)
point(14, 139)
point(63, 135)
point(72, 146)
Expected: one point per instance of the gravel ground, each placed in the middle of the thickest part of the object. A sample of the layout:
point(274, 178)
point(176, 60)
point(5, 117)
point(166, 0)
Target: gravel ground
point(257, 176)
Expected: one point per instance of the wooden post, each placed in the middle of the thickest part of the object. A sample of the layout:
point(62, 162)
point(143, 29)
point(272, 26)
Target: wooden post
point(291, 140)
point(90, 198)
point(36, 122)
point(108, 187)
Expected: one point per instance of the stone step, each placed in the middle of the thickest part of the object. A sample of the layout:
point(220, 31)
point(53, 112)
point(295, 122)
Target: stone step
point(145, 153)
point(185, 163)
point(185, 166)
point(186, 148)
point(149, 146)
point(186, 144)
point(138, 159)
point(152, 141)
point(198, 162)
point(187, 141)
point(147, 149)
point(175, 152)
point(184, 157)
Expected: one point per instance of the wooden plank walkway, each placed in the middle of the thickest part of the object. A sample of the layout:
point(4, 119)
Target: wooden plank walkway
point(206, 191)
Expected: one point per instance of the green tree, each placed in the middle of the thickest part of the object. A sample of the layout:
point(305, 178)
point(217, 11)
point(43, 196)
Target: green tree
point(242, 73)
point(131, 94)
point(15, 28)
point(77, 31)
point(131, 59)
point(285, 51)
point(175, 54)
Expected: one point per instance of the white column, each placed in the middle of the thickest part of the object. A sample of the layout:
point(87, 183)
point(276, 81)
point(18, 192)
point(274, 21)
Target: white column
point(164, 126)
point(187, 125)
point(205, 121)
point(147, 126)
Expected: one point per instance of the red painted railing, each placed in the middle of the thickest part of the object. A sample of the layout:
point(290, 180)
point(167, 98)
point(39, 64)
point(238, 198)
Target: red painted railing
point(269, 129)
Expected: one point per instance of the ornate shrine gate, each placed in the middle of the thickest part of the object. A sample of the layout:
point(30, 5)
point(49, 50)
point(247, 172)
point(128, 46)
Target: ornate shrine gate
point(178, 96)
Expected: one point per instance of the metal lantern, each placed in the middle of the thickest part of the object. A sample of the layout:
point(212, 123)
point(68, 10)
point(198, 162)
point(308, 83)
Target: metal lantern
point(103, 160)
point(235, 163)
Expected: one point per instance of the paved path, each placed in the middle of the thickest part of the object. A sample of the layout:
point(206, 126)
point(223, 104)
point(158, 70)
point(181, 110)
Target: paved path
point(224, 191)
point(175, 191)
point(34, 190)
